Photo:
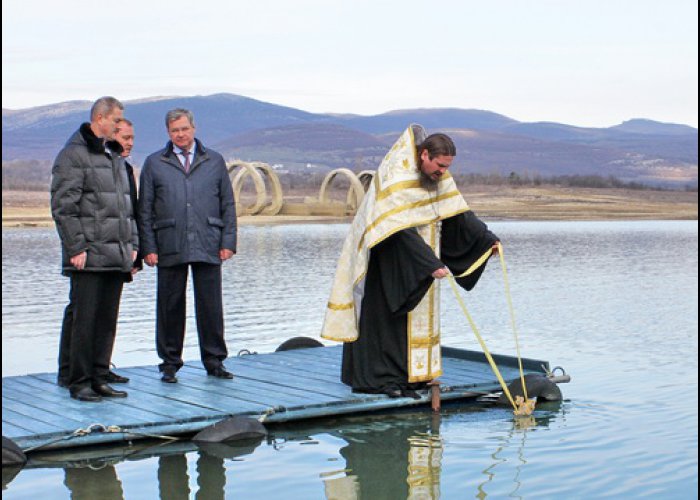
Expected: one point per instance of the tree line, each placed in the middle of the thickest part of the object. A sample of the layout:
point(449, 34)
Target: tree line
point(35, 175)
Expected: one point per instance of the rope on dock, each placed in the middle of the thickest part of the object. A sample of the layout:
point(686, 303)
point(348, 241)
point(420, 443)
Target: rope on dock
point(94, 428)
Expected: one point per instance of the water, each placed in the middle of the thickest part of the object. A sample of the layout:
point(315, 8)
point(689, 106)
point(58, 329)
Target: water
point(614, 303)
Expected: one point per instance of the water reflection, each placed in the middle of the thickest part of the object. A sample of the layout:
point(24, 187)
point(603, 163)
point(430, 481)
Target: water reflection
point(396, 455)
point(390, 458)
point(587, 295)
point(87, 483)
point(514, 444)
point(173, 480)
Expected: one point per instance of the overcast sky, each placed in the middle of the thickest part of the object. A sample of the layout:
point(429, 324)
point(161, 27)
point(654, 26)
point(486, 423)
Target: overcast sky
point(586, 62)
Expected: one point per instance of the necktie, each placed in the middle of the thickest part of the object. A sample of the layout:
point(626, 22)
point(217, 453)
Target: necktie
point(186, 154)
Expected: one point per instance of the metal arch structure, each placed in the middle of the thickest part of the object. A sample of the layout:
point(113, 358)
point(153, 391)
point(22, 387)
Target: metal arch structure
point(355, 193)
point(275, 205)
point(237, 182)
point(366, 177)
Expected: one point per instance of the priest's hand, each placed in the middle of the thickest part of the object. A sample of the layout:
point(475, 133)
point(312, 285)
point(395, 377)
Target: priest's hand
point(441, 273)
point(496, 248)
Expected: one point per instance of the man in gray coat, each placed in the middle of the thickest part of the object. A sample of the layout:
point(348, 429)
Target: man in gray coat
point(91, 206)
point(187, 220)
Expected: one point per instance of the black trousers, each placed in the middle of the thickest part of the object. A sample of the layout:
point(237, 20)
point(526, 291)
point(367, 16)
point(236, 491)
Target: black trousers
point(65, 340)
point(89, 327)
point(170, 315)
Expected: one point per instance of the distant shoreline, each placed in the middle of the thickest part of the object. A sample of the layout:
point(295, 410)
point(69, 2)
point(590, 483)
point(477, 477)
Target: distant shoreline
point(31, 208)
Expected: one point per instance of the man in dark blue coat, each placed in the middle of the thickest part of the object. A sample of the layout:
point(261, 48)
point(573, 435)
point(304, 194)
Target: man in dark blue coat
point(188, 220)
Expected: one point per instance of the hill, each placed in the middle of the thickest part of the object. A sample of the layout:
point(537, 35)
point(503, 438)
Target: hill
point(637, 150)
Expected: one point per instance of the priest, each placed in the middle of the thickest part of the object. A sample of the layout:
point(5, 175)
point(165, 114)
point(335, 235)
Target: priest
point(412, 228)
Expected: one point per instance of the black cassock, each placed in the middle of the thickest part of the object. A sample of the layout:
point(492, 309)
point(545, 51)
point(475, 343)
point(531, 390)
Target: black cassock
point(398, 276)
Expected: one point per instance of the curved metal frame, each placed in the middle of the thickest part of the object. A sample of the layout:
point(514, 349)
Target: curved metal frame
point(366, 177)
point(237, 182)
point(275, 205)
point(355, 193)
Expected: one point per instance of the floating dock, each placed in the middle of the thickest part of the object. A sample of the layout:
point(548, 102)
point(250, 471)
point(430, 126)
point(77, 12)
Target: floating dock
point(274, 387)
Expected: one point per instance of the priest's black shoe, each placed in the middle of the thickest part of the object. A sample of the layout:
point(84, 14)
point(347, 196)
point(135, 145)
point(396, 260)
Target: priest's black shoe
point(62, 382)
point(114, 378)
point(221, 372)
point(169, 378)
point(85, 394)
point(108, 392)
point(393, 391)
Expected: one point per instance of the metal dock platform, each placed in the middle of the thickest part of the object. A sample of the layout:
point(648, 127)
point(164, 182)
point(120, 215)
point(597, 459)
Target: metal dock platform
point(280, 386)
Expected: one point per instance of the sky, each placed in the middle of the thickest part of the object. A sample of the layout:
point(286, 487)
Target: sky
point(590, 63)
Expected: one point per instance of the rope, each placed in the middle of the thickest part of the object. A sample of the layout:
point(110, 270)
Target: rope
point(512, 317)
point(98, 428)
point(495, 369)
point(521, 406)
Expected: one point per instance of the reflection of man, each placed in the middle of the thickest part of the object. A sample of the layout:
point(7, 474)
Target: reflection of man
point(90, 203)
point(413, 227)
point(94, 482)
point(187, 220)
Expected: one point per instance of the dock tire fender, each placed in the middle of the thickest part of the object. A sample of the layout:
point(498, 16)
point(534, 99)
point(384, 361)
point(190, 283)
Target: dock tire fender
point(11, 453)
point(298, 343)
point(538, 386)
point(234, 428)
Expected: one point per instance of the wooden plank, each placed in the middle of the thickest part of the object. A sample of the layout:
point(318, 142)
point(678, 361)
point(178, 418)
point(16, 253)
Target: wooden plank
point(152, 390)
point(268, 383)
point(11, 431)
point(265, 390)
point(500, 359)
point(291, 379)
point(328, 383)
point(234, 401)
point(326, 374)
point(109, 411)
point(457, 372)
point(466, 370)
point(285, 386)
point(132, 409)
point(28, 422)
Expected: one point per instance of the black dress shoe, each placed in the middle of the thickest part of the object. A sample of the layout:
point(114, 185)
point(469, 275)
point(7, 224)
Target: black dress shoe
point(113, 378)
point(220, 372)
point(169, 378)
point(85, 394)
point(108, 392)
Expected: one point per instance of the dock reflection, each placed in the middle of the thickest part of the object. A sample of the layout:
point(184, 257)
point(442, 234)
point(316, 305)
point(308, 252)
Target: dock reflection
point(397, 455)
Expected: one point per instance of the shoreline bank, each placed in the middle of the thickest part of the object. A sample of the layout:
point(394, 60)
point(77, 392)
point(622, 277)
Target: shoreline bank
point(31, 209)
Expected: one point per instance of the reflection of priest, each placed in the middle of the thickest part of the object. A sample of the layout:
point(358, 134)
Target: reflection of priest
point(412, 224)
point(395, 459)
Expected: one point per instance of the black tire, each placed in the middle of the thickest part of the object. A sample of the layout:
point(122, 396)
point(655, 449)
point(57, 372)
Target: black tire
point(11, 453)
point(538, 386)
point(298, 343)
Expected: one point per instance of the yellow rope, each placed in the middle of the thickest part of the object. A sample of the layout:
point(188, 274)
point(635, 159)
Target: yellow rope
point(512, 317)
point(476, 265)
point(521, 406)
point(481, 341)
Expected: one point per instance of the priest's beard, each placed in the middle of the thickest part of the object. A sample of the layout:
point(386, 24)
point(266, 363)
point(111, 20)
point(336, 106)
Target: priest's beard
point(428, 183)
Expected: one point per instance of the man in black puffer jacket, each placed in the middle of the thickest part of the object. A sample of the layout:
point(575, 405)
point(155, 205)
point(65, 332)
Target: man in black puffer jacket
point(91, 206)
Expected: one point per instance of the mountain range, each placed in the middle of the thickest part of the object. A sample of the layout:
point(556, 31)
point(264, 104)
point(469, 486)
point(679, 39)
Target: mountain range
point(638, 150)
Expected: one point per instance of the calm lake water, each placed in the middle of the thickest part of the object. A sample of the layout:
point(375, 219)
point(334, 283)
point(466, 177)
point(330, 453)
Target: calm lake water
point(614, 303)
